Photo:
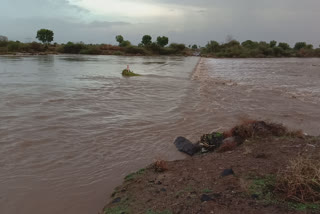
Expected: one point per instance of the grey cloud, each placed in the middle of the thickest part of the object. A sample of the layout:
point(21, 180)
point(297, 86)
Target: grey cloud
point(92, 32)
point(42, 8)
point(204, 20)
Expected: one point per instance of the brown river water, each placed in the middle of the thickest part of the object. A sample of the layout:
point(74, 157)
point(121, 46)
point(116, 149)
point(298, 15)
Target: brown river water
point(71, 127)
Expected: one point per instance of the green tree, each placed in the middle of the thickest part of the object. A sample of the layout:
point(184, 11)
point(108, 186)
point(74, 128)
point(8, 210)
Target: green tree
point(3, 38)
point(212, 47)
point(154, 47)
point(119, 39)
point(278, 51)
point(194, 47)
point(162, 41)
point(3, 41)
point(45, 36)
point(125, 43)
point(178, 47)
point(284, 46)
point(300, 45)
point(249, 44)
point(273, 43)
point(146, 40)
point(232, 43)
point(309, 46)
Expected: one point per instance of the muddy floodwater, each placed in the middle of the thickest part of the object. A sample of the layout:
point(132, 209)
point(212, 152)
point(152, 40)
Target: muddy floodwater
point(71, 127)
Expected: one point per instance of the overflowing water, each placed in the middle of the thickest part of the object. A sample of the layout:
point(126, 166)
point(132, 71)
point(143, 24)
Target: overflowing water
point(71, 127)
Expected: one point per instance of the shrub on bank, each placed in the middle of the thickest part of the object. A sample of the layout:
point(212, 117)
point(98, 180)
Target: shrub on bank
point(73, 48)
point(37, 47)
point(92, 50)
point(136, 50)
point(178, 47)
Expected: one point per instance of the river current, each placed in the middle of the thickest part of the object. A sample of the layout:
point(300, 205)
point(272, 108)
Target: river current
point(71, 127)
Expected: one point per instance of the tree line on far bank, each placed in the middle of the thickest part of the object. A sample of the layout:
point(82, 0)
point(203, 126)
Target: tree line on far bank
point(160, 46)
point(261, 49)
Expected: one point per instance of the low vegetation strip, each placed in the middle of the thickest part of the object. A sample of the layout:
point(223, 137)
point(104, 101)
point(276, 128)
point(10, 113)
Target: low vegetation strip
point(272, 170)
point(161, 46)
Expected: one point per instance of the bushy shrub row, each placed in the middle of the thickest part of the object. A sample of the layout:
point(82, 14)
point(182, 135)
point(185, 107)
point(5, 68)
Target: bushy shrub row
point(259, 49)
point(16, 46)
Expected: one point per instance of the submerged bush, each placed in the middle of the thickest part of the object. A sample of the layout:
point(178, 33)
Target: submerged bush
point(126, 72)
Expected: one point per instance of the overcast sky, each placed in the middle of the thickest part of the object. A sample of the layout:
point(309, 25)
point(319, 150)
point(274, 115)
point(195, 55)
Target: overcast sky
point(187, 21)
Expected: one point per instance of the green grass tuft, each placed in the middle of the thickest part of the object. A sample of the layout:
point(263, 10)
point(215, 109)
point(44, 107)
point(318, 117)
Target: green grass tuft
point(132, 176)
point(159, 212)
point(303, 207)
point(207, 191)
point(117, 210)
point(263, 187)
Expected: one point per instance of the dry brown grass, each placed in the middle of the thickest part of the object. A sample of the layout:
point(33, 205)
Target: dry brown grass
point(160, 166)
point(300, 182)
point(297, 133)
point(111, 47)
point(251, 128)
point(247, 150)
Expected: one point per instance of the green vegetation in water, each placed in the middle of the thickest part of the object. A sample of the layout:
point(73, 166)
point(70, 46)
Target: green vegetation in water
point(132, 176)
point(128, 73)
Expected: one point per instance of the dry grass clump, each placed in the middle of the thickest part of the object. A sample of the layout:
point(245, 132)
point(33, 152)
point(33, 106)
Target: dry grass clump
point(160, 166)
point(251, 128)
point(300, 182)
point(296, 133)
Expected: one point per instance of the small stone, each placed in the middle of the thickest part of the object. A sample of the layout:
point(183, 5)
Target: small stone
point(217, 195)
point(261, 156)
point(159, 182)
point(163, 190)
point(205, 197)
point(227, 172)
point(204, 150)
point(116, 200)
point(255, 196)
point(186, 146)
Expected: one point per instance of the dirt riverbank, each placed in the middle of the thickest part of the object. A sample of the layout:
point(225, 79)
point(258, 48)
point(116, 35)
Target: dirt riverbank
point(251, 178)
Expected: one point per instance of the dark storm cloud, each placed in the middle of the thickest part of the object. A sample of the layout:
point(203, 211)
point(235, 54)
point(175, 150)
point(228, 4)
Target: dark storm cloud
point(187, 21)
